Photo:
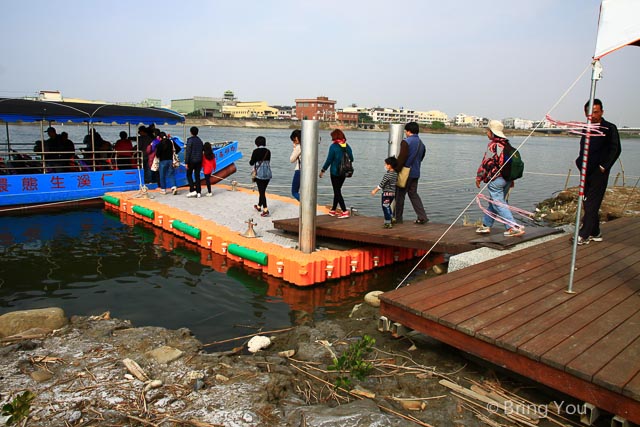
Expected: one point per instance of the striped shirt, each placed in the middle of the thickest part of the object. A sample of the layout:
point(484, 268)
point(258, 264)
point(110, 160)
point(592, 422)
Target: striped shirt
point(388, 183)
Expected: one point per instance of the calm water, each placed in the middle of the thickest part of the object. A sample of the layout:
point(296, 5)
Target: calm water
point(88, 261)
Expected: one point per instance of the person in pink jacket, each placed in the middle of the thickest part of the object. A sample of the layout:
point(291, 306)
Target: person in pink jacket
point(208, 165)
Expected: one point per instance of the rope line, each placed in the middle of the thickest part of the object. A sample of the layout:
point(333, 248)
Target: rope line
point(487, 184)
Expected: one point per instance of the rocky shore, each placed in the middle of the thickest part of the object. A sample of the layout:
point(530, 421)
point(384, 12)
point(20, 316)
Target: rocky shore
point(99, 371)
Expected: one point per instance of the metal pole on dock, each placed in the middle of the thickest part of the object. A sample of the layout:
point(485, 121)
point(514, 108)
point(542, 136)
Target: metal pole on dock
point(308, 186)
point(396, 134)
point(596, 75)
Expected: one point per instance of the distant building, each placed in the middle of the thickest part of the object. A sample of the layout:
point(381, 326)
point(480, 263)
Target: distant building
point(206, 106)
point(347, 118)
point(468, 121)
point(249, 110)
point(321, 108)
point(229, 98)
point(428, 117)
point(390, 115)
point(285, 112)
point(50, 95)
point(515, 123)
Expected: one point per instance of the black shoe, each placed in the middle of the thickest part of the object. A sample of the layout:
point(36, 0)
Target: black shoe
point(422, 221)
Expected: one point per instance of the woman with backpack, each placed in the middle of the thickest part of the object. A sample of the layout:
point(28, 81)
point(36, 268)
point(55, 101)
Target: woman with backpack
point(261, 162)
point(498, 187)
point(338, 150)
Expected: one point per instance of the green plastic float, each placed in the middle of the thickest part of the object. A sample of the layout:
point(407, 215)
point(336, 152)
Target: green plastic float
point(246, 253)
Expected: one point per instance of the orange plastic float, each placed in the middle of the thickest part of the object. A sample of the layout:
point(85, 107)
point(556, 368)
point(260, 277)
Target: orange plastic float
point(285, 263)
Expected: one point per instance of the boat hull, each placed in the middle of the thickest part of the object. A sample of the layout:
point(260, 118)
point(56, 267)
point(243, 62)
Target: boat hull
point(48, 190)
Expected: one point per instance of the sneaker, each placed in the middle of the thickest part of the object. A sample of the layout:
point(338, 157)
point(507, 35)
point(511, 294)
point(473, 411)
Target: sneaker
point(264, 213)
point(174, 190)
point(483, 230)
point(256, 207)
point(422, 221)
point(387, 225)
point(514, 232)
point(209, 194)
point(344, 214)
point(198, 195)
point(333, 213)
point(582, 241)
point(192, 194)
point(163, 191)
point(597, 238)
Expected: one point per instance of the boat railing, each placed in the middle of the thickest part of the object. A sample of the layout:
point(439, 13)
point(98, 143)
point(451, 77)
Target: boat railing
point(33, 162)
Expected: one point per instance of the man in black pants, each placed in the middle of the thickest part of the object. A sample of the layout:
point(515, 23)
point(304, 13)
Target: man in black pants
point(603, 152)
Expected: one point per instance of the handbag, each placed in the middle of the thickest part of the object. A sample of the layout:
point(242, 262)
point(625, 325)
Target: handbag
point(254, 171)
point(155, 165)
point(403, 176)
point(176, 160)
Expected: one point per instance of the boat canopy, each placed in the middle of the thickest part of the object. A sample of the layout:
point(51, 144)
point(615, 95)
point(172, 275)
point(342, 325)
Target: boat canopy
point(27, 110)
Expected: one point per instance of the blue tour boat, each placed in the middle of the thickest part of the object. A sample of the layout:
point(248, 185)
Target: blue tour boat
point(31, 180)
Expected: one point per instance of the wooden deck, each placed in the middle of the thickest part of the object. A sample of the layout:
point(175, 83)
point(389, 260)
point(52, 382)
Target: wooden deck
point(514, 311)
point(365, 229)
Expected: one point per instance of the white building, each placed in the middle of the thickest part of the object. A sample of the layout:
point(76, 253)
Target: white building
point(516, 123)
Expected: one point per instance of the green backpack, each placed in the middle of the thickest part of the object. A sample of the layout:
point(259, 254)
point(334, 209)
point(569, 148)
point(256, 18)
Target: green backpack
point(514, 168)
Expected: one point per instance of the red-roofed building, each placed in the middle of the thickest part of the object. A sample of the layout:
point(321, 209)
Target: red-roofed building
point(321, 108)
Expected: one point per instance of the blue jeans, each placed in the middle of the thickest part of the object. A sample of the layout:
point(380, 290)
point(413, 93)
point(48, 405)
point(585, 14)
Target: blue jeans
point(167, 174)
point(295, 185)
point(387, 200)
point(498, 189)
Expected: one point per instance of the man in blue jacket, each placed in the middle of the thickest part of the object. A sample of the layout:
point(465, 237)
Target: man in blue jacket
point(604, 150)
point(412, 153)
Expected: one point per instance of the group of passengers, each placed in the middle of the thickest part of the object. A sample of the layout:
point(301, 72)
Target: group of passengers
point(59, 154)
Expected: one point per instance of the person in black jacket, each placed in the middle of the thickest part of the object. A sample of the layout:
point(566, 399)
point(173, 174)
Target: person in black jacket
point(603, 152)
point(193, 160)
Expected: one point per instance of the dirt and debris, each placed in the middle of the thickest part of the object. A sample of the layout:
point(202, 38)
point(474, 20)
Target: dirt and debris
point(618, 202)
point(99, 371)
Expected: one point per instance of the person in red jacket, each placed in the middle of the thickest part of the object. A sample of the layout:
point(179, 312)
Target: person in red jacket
point(208, 165)
point(124, 152)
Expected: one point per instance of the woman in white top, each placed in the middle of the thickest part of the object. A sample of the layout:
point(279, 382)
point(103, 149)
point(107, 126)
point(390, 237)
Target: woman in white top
point(295, 158)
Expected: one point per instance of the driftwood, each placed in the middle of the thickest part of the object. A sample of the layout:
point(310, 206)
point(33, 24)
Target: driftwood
point(135, 369)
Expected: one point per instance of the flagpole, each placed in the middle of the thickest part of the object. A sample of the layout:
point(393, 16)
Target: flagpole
point(596, 74)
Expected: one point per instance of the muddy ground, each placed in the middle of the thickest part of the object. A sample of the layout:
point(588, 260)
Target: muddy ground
point(79, 378)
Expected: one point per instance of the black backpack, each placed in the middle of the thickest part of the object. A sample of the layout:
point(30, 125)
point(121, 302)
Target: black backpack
point(514, 168)
point(346, 167)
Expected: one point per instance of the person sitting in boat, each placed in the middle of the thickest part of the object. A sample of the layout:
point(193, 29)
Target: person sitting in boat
point(97, 151)
point(124, 152)
point(67, 153)
point(52, 151)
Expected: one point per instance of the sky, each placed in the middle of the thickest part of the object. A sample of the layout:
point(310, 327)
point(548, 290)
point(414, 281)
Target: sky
point(492, 58)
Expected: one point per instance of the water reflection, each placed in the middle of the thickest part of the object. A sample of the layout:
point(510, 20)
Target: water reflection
point(92, 261)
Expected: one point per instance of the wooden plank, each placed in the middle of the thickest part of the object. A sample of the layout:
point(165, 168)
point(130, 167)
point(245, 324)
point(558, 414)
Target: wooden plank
point(575, 320)
point(584, 298)
point(588, 275)
point(409, 235)
point(486, 299)
point(431, 287)
point(587, 364)
point(512, 313)
point(554, 378)
point(580, 341)
point(632, 389)
point(623, 367)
